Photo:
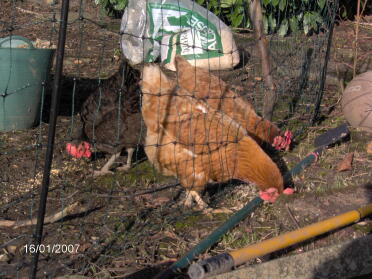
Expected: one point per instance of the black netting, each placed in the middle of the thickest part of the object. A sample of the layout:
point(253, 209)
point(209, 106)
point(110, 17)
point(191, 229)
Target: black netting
point(131, 217)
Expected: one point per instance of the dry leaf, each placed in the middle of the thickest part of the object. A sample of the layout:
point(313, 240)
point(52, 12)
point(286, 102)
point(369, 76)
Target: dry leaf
point(369, 147)
point(161, 235)
point(54, 171)
point(77, 62)
point(346, 163)
point(83, 247)
point(116, 57)
point(4, 258)
point(160, 201)
point(44, 44)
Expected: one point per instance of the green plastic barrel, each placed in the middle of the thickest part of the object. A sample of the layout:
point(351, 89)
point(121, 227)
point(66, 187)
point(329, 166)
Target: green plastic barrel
point(23, 72)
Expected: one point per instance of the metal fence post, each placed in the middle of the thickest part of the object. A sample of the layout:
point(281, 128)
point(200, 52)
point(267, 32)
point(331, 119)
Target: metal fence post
point(51, 134)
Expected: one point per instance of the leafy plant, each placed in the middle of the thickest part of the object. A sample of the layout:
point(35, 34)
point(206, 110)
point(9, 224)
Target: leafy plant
point(279, 16)
point(113, 7)
point(283, 16)
point(233, 12)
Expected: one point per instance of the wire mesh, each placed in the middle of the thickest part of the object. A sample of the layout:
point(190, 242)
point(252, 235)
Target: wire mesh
point(129, 220)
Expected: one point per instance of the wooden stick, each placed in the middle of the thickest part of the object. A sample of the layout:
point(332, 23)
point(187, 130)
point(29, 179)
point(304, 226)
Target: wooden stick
point(357, 24)
point(73, 209)
point(255, 13)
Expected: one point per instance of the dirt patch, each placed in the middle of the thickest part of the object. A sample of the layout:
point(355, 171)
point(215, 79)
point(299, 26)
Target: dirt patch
point(133, 230)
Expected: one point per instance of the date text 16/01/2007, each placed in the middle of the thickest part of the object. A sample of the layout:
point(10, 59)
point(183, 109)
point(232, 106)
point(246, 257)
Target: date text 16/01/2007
point(52, 248)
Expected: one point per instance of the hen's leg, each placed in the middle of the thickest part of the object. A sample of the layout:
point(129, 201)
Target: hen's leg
point(194, 196)
point(106, 168)
point(130, 152)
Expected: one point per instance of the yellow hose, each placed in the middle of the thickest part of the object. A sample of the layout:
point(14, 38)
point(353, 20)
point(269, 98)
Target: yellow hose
point(241, 256)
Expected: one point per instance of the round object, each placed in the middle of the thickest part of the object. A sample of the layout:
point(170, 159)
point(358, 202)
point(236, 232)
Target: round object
point(357, 102)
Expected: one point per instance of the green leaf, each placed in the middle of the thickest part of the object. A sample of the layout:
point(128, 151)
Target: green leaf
point(306, 29)
point(321, 4)
point(248, 23)
point(282, 5)
point(265, 24)
point(294, 24)
point(283, 29)
point(237, 20)
point(272, 22)
point(237, 16)
point(227, 3)
point(274, 3)
point(212, 4)
point(120, 4)
point(344, 14)
point(307, 22)
point(316, 17)
point(266, 2)
point(307, 18)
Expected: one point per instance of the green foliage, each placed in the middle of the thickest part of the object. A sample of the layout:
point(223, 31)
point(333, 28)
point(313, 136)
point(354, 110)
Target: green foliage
point(293, 15)
point(279, 16)
point(112, 7)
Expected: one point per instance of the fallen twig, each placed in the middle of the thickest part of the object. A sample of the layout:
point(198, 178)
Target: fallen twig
point(292, 217)
point(73, 209)
point(31, 12)
point(12, 241)
point(140, 193)
point(30, 194)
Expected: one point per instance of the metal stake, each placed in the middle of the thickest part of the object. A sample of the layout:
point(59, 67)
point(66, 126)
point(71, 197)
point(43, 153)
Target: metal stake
point(51, 134)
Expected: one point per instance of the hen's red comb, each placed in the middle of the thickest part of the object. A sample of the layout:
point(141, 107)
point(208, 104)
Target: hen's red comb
point(269, 195)
point(82, 150)
point(283, 142)
point(86, 147)
point(72, 150)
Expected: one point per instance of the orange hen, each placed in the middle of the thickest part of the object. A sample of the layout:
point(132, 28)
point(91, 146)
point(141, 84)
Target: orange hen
point(207, 87)
point(192, 140)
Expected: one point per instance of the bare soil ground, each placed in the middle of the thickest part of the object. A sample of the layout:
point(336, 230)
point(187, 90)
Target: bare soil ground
point(129, 226)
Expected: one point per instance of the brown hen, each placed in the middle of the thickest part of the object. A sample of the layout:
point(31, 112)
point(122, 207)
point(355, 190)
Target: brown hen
point(111, 118)
point(193, 141)
point(205, 86)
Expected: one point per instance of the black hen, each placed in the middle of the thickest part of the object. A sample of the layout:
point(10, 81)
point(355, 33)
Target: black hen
point(112, 119)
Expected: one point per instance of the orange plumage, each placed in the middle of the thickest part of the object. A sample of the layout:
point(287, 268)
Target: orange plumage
point(201, 141)
point(206, 86)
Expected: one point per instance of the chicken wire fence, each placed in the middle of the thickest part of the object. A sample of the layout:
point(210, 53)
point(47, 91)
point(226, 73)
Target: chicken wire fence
point(119, 223)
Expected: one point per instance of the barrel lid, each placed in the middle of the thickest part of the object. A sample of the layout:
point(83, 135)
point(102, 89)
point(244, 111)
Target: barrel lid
point(15, 41)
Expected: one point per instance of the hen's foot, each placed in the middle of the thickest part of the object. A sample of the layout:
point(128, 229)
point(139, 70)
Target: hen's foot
point(101, 172)
point(129, 161)
point(124, 168)
point(194, 196)
point(222, 210)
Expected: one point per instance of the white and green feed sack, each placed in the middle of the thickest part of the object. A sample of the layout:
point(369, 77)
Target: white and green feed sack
point(167, 28)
